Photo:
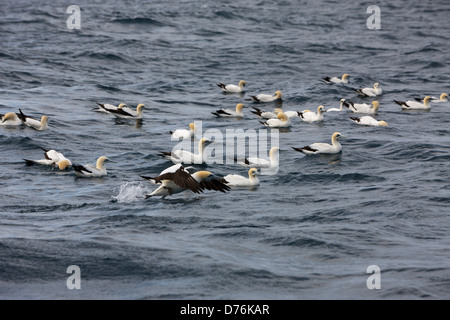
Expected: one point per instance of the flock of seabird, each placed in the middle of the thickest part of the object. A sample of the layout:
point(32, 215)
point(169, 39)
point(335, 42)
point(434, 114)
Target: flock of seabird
point(178, 178)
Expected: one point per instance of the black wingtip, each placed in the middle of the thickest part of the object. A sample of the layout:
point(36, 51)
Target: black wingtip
point(29, 162)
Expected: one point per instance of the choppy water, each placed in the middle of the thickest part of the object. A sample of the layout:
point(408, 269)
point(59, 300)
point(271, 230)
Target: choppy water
point(311, 231)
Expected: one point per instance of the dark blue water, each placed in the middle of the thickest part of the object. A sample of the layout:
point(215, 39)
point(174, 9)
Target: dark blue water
point(309, 232)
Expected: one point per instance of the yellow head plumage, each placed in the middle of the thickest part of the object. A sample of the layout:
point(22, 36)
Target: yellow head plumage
point(121, 105)
point(345, 76)
point(382, 123)
point(192, 126)
point(202, 175)
point(252, 172)
point(9, 116)
point(443, 96)
point(64, 164)
point(242, 83)
point(375, 105)
point(239, 107)
point(320, 109)
point(278, 94)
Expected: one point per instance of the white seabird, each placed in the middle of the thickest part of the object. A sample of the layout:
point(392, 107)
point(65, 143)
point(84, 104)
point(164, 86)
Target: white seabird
point(282, 121)
point(236, 181)
point(322, 148)
point(39, 125)
point(310, 116)
point(341, 106)
point(89, 171)
point(128, 113)
point(264, 114)
point(176, 179)
point(414, 105)
point(231, 113)
point(266, 97)
point(370, 92)
point(260, 162)
point(11, 120)
point(106, 107)
point(344, 79)
point(232, 87)
point(187, 157)
point(363, 107)
point(184, 133)
point(369, 121)
point(442, 98)
point(52, 158)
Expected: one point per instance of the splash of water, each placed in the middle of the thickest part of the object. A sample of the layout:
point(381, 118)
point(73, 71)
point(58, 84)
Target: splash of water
point(130, 192)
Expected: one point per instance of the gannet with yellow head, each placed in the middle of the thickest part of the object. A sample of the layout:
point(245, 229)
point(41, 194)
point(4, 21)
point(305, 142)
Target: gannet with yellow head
point(282, 121)
point(11, 120)
point(236, 181)
point(230, 113)
point(232, 87)
point(322, 148)
point(415, 105)
point(187, 157)
point(89, 171)
point(363, 107)
point(106, 108)
point(31, 122)
point(310, 116)
point(184, 133)
point(369, 121)
point(266, 97)
point(52, 158)
point(128, 113)
point(256, 162)
point(370, 92)
point(343, 79)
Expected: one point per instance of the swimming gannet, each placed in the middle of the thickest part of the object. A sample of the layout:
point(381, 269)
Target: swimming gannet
point(52, 158)
point(109, 107)
point(282, 121)
point(266, 97)
point(344, 79)
point(184, 133)
point(232, 87)
point(442, 98)
point(187, 157)
point(10, 120)
point(322, 148)
point(230, 113)
point(89, 171)
point(310, 116)
point(414, 105)
point(176, 179)
point(369, 121)
point(341, 105)
point(39, 125)
point(128, 113)
point(235, 180)
point(370, 92)
point(260, 162)
point(264, 114)
point(363, 107)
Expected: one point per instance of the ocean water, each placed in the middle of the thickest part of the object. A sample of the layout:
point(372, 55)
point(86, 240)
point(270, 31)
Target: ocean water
point(308, 232)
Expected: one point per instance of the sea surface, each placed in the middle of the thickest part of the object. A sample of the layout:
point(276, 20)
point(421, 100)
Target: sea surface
point(309, 232)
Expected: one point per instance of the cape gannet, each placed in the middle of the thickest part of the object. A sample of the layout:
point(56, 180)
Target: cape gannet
point(184, 133)
point(39, 125)
point(235, 180)
point(341, 106)
point(176, 179)
point(310, 116)
point(282, 121)
point(322, 148)
point(109, 107)
point(232, 87)
point(369, 121)
point(52, 158)
point(187, 157)
point(370, 92)
point(344, 79)
point(11, 120)
point(363, 107)
point(442, 98)
point(266, 97)
point(414, 105)
point(230, 113)
point(128, 113)
point(260, 162)
point(89, 171)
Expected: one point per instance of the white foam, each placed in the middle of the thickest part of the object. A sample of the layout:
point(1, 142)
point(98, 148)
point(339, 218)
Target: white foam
point(131, 192)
